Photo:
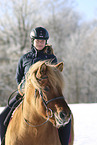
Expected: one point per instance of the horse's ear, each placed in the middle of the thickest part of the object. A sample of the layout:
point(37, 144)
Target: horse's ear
point(42, 70)
point(60, 66)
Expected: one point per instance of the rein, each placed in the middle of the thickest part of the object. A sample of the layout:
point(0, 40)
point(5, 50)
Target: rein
point(10, 97)
point(47, 109)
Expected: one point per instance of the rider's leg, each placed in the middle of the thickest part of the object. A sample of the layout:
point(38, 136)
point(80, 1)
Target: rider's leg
point(4, 114)
point(64, 134)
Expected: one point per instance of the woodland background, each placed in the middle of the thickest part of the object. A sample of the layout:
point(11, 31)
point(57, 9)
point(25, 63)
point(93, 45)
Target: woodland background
point(74, 42)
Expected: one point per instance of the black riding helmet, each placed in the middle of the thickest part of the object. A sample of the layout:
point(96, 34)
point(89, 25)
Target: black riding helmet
point(39, 33)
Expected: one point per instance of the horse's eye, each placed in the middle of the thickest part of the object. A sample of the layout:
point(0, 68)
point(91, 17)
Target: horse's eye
point(46, 88)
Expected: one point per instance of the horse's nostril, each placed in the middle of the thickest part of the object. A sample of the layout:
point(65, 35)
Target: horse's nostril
point(62, 115)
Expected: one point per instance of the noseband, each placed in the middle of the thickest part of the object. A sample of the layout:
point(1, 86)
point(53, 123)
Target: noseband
point(47, 109)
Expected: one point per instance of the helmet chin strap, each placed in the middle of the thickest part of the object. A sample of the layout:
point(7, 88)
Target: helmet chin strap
point(46, 42)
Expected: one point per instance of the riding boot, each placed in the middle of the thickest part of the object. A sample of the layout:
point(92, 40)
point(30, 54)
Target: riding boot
point(3, 115)
point(64, 133)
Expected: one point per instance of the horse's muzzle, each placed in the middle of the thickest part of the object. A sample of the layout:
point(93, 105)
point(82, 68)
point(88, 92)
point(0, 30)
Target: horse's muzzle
point(62, 119)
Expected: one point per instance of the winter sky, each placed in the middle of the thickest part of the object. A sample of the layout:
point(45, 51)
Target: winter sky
point(87, 8)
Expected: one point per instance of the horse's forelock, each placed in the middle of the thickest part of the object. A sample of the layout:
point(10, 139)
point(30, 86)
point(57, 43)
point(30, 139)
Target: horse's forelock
point(55, 76)
point(31, 75)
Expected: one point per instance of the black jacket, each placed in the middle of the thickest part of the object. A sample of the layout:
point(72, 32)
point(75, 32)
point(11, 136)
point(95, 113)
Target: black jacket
point(30, 58)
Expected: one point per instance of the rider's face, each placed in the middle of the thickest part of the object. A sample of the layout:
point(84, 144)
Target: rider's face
point(39, 44)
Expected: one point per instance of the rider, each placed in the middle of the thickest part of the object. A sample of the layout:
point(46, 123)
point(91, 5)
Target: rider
point(40, 50)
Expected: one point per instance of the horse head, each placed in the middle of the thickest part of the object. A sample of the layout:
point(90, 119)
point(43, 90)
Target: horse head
point(44, 91)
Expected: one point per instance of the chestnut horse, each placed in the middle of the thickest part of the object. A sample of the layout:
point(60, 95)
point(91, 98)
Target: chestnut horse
point(42, 110)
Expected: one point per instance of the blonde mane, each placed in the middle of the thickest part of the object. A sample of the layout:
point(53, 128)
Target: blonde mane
point(54, 75)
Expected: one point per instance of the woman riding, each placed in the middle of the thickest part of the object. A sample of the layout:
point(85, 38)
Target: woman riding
point(40, 50)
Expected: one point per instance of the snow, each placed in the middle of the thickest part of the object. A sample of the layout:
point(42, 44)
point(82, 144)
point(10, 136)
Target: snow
point(85, 123)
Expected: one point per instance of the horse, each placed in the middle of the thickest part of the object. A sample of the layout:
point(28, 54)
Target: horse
point(43, 109)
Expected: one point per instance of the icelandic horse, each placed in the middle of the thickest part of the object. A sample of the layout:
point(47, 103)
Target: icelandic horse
point(43, 109)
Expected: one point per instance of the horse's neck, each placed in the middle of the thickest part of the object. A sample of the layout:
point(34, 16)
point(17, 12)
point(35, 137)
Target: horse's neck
point(30, 113)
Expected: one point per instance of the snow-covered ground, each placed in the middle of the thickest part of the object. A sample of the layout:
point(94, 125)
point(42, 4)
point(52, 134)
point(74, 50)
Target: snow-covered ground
point(85, 123)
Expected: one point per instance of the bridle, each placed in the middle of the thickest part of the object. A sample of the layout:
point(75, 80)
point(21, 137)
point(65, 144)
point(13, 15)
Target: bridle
point(47, 109)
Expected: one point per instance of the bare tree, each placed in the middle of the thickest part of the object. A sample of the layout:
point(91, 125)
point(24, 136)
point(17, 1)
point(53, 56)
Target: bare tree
point(74, 43)
point(62, 21)
point(18, 19)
